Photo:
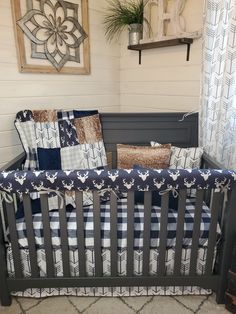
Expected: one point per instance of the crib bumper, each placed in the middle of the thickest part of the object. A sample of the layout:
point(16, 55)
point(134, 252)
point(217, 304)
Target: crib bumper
point(117, 179)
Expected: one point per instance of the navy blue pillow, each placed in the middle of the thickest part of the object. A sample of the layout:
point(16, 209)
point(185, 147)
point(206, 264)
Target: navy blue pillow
point(35, 207)
point(84, 113)
point(156, 197)
point(49, 158)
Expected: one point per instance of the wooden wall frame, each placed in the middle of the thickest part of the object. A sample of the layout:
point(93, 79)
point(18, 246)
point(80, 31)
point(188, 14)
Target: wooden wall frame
point(73, 67)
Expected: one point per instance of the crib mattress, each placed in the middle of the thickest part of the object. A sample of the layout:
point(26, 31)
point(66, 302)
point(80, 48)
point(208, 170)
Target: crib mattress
point(121, 227)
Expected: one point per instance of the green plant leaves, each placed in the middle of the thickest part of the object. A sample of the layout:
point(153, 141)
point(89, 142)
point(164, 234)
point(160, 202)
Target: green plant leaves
point(120, 14)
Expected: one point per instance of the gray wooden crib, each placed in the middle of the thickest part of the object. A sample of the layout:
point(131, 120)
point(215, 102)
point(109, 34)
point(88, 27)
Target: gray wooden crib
point(216, 190)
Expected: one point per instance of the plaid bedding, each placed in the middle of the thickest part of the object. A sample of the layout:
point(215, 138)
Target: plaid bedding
point(122, 226)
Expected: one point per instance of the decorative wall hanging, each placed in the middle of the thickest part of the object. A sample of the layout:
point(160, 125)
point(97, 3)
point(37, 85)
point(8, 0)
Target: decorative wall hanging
point(166, 26)
point(52, 36)
point(166, 20)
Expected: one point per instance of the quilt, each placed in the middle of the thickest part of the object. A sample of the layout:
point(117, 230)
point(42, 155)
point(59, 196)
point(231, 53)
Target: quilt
point(61, 140)
point(72, 138)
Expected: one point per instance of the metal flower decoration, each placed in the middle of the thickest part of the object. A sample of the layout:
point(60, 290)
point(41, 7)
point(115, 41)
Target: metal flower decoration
point(55, 34)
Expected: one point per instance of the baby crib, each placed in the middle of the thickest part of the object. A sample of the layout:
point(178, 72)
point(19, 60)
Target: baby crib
point(156, 236)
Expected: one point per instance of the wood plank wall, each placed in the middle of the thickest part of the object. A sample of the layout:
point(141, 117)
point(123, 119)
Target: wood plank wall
point(164, 81)
point(19, 91)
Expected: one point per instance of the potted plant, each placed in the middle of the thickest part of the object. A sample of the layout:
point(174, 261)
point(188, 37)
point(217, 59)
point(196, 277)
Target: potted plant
point(125, 14)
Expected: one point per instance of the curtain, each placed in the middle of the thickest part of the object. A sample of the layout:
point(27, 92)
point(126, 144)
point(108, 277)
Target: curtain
point(218, 95)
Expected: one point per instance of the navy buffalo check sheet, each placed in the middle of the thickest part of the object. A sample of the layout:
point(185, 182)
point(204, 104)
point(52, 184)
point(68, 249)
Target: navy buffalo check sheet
point(122, 226)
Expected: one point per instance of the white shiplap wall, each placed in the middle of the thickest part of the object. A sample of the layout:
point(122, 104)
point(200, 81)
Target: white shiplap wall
point(164, 81)
point(19, 91)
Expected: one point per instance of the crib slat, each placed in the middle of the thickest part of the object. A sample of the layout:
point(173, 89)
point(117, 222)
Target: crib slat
point(180, 232)
point(30, 236)
point(97, 234)
point(10, 210)
point(47, 235)
point(225, 199)
point(163, 233)
point(3, 216)
point(216, 205)
point(130, 234)
point(196, 231)
point(5, 297)
point(64, 241)
point(147, 230)
point(114, 244)
point(80, 232)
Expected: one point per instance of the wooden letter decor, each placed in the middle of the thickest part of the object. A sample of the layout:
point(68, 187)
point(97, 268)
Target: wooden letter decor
point(52, 36)
point(166, 21)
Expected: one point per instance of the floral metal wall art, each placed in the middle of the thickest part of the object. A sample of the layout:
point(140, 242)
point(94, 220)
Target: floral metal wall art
point(52, 36)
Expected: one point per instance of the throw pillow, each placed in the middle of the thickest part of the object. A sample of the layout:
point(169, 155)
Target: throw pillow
point(184, 158)
point(145, 156)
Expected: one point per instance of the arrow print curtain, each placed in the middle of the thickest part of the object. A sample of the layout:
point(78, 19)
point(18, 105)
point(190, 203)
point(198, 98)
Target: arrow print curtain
point(218, 99)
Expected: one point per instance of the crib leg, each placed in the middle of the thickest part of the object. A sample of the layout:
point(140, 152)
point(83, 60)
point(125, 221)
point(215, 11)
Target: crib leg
point(5, 296)
point(225, 265)
point(229, 231)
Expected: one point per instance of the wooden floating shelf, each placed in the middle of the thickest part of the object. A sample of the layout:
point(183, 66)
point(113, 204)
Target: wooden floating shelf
point(162, 43)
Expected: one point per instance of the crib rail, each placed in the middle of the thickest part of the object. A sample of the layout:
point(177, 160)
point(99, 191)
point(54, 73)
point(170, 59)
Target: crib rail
point(129, 182)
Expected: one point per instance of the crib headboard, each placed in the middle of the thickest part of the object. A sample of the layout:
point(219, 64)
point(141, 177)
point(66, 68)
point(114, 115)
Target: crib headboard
point(141, 128)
